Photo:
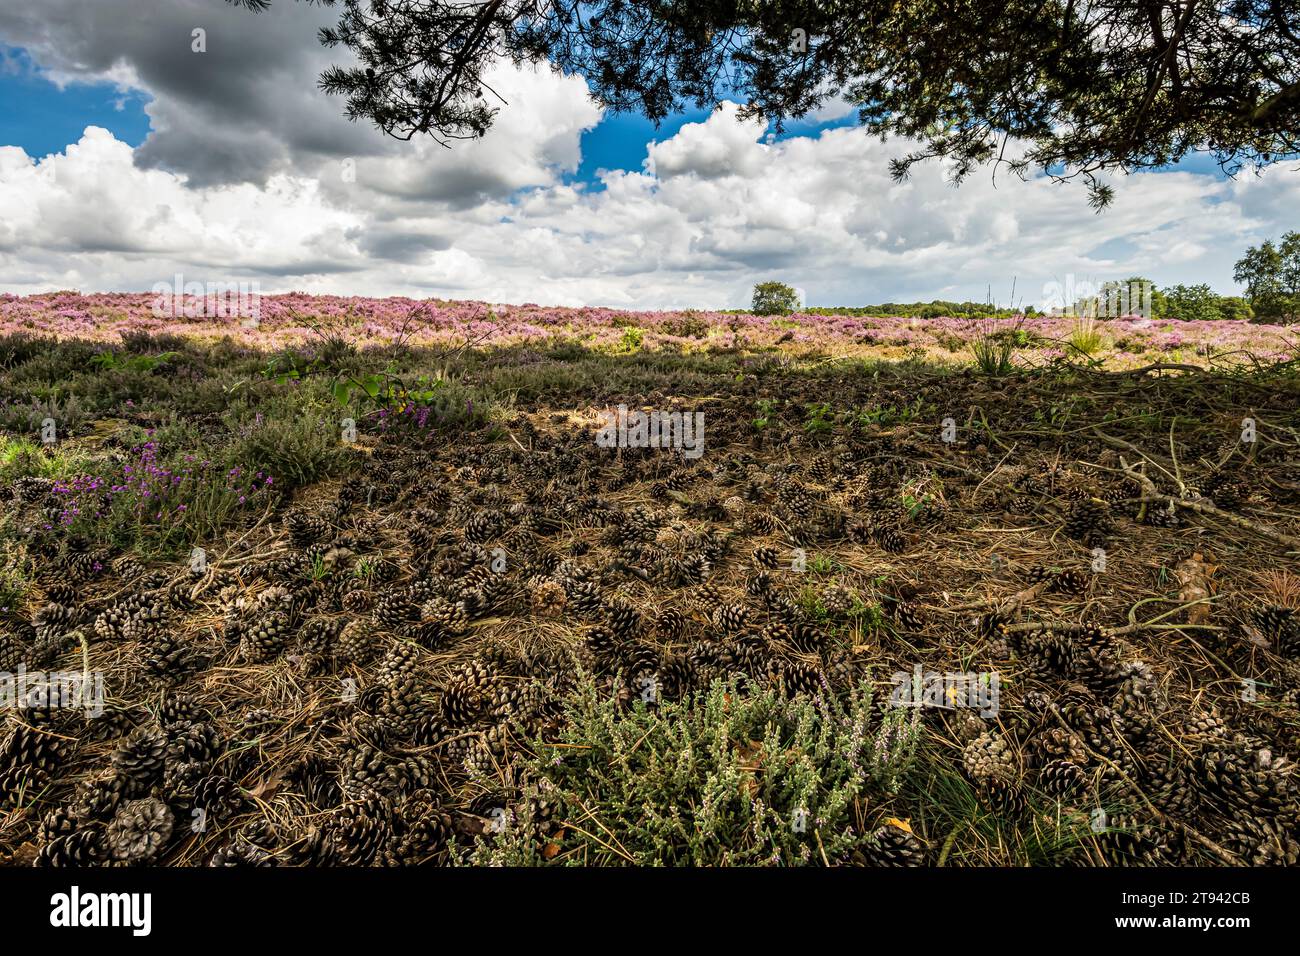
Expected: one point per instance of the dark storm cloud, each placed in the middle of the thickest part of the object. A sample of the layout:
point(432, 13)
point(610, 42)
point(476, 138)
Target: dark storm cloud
point(245, 109)
point(400, 246)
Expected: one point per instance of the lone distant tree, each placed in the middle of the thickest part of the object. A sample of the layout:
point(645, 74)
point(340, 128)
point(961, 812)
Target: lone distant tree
point(1271, 274)
point(774, 298)
point(1083, 87)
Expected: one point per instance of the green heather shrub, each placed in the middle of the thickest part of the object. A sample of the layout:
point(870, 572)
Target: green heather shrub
point(19, 347)
point(44, 362)
point(688, 324)
point(144, 342)
point(296, 446)
point(25, 417)
point(726, 778)
point(15, 568)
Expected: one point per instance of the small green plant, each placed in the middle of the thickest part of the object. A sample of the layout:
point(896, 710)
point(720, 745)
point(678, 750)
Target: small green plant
point(868, 615)
point(822, 564)
point(631, 339)
point(994, 350)
point(132, 363)
point(765, 407)
point(20, 457)
point(915, 505)
point(817, 419)
point(728, 778)
point(1086, 337)
point(15, 572)
point(888, 415)
point(809, 601)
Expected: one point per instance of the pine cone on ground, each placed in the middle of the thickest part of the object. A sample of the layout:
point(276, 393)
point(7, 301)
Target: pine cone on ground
point(28, 758)
point(624, 620)
point(219, 796)
point(1261, 842)
point(305, 528)
point(440, 621)
point(1237, 775)
point(360, 829)
point(99, 797)
point(891, 540)
point(1046, 653)
point(80, 848)
point(1280, 626)
point(139, 831)
point(465, 695)
point(265, 637)
point(1071, 581)
point(1057, 743)
point(1088, 520)
point(425, 831)
point(139, 761)
point(1060, 778)
point(989, 755)
point(730, 618)
point(357, 644)
point(167, 656)
point(1129, 840)
point(193, 742)
point(893, 845)
point(796, 678)
point(1169, 787)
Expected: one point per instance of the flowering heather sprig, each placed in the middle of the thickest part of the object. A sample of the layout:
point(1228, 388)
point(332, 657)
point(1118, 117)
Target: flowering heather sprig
point(146, 492)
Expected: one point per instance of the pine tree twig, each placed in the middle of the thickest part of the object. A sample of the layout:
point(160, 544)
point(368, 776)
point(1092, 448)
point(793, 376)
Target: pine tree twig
point(1151, 495)
point(1209, 508)
point(1008, 603)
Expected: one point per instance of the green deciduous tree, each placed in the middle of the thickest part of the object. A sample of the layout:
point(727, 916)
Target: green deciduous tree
point(774, 298)
point(1070, 88)
point(1271, 274)
point(1192, 303)
point(1235, 308)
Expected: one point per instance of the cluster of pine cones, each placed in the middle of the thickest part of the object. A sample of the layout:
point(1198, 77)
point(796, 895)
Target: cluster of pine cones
point(1092, 729)
point(374, 725)
point(353, 691)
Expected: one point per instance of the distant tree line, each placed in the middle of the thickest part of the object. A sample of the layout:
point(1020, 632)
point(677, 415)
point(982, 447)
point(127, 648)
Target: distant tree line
point(927, 310)
point(1270, 272)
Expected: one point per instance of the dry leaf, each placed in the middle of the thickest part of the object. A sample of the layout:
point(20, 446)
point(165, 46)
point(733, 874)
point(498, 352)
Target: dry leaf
point(269, 786)
point(552, 849)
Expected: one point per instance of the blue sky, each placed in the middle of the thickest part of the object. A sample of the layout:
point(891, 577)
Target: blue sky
point(619, 140)
point(42, 118)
